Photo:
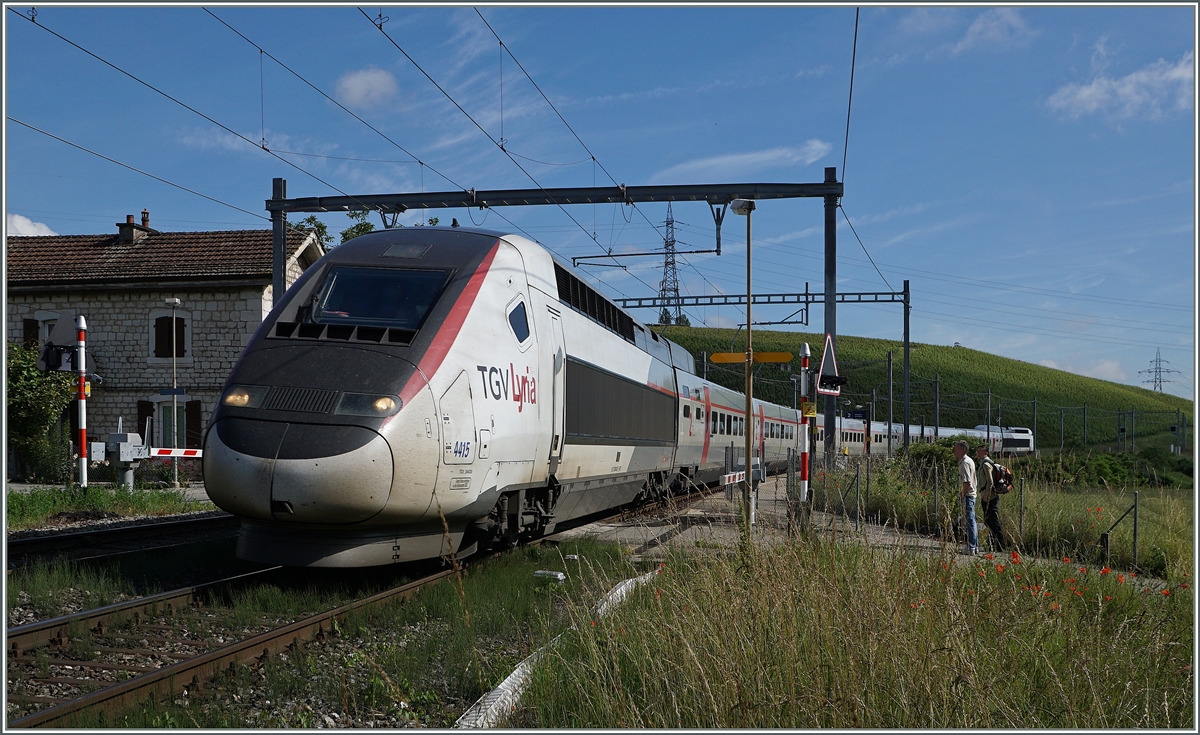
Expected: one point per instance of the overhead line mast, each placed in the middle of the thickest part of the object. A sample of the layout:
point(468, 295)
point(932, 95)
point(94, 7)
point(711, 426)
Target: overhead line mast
point(668, 290)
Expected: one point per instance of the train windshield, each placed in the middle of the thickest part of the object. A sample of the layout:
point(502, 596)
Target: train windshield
point(385, 297)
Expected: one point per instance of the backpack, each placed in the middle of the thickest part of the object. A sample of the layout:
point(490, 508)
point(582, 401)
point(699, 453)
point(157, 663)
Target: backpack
point(1002, 478)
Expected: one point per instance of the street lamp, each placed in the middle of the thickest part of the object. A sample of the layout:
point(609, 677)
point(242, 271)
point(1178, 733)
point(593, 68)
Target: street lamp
point(745, 207)
point(174, 304)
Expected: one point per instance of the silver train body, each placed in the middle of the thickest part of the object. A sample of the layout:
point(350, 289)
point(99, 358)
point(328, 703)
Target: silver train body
point(426, 390)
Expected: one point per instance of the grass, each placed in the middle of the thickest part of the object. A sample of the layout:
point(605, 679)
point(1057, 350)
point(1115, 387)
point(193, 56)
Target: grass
point(44, 586)
point(965, 377)
point(34, 508)
point(838, 635)
point(1060, 520)
point(421, 662)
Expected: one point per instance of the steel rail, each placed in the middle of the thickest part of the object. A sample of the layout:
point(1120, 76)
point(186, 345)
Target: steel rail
point(32, 635)
point(55, 542)
point(192, 672)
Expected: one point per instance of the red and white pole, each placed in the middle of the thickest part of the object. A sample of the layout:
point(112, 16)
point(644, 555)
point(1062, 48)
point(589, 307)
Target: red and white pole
point(804, 352)
point(81, 372)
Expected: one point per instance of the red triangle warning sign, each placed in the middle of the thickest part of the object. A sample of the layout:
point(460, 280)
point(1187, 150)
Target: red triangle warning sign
point(829, 383)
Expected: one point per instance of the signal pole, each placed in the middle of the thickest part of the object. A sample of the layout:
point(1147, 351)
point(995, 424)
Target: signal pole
point(831, 434)
point(889, 439)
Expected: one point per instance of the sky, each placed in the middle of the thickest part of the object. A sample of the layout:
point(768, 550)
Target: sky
point(1030, 171)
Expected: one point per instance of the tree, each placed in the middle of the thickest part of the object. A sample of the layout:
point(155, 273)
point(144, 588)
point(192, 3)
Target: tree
point(683, 321)
point(363, 224)
point(665, 317)
point(312, 223)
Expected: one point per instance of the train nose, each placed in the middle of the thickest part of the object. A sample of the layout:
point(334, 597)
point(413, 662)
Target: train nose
point(296, 472)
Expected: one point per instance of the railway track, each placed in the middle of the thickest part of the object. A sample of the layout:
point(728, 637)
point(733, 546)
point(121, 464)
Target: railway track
point(94, 543)
point(109, 658)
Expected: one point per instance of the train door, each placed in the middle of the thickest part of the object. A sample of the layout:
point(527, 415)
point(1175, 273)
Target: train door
point(458, 422)
point(558, 402)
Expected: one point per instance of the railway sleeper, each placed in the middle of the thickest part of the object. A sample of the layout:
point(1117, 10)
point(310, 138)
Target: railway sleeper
point(86, 664)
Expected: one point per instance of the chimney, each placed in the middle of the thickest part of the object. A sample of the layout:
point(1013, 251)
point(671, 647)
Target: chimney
point(131, 232)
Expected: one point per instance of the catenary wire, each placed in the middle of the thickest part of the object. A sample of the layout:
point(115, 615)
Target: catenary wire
point(424, 165)
point(184, 105)
point(490, 138)
point(849, 101)
point(137, 170)
point(571, 129)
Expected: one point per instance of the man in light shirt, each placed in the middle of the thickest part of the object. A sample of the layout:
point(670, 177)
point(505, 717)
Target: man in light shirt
point(966, 476)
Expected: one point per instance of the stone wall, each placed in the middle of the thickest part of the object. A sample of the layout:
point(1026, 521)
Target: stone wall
point(221, 322)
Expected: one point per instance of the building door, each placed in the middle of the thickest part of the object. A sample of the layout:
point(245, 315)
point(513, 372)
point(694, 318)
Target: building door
point(558, 402)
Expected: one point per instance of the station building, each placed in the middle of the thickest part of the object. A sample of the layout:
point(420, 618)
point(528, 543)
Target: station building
point(120, 283)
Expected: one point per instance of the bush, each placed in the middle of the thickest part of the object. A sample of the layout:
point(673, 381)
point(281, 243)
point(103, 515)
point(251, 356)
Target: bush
point(35, 402)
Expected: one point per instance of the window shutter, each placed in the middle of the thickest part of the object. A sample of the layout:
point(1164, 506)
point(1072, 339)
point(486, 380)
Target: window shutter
point(192, 427)
point(145, 410)
point(180, 337)
point(162, 336)
point(30, 329)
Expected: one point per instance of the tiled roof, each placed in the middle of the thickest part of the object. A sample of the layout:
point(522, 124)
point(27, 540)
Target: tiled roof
point(158, 256)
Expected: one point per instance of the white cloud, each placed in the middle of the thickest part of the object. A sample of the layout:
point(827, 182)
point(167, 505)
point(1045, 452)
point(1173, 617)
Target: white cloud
point(928, 20)
point(732, 165)
point(214, 139)
point(1149, 92)
point(999, 27)
point(19, 225)
point(367, 89)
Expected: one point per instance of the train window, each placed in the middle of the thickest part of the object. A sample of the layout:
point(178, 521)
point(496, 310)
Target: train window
point(699, 414)
point(519, 322)
point(687, 412)
point(386, 297)
point(720, 423)
point(712, 418)
point(741, 427)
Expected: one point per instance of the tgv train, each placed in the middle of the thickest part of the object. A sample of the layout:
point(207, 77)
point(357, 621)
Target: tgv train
point(425, 390)
point(855, 439)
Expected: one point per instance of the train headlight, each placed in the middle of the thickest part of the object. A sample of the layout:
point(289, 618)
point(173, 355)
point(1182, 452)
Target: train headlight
point(244, 396)
point(365, 404)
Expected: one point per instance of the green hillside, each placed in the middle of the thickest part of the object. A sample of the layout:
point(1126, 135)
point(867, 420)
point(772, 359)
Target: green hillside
point(965, 377)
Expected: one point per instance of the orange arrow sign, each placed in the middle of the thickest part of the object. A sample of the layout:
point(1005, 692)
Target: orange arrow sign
point(758, 357)
point(728, 357)
point(772, 357)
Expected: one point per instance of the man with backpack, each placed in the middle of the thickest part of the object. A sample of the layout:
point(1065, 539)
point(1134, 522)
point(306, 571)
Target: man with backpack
point(990, 490)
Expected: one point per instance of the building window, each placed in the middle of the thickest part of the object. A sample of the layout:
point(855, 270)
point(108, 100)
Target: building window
point(161, 333)
point(186, 424)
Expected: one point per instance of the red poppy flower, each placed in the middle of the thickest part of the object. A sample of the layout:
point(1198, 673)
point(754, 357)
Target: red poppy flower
point(1105, 570)
point(1066, 560)
point(1120, 579)
point(999, 569)
point(1166, 592)
point(1106, 597)
point(1054, 606)
point(989, 557)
